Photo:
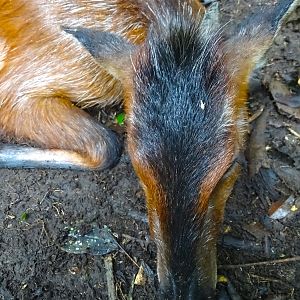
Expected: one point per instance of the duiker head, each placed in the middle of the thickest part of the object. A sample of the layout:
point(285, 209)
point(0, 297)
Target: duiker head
point(185, 91)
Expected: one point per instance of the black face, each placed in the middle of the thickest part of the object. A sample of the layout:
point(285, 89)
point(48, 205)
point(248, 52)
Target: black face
point(181, 121)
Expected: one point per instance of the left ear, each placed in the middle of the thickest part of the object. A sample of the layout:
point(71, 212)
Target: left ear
point(110, 50)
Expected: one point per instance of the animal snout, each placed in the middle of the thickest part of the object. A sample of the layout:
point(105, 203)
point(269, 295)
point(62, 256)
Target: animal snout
point(191, 289)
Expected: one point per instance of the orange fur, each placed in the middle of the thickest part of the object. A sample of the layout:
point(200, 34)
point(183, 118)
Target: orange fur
point(43, 70)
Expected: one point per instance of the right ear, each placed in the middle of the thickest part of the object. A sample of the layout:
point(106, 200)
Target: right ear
point(253, 37)
point(211, 19)
point(110, 50)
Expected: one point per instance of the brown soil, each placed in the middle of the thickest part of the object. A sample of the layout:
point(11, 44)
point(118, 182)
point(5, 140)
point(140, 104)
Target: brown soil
point(37, 207)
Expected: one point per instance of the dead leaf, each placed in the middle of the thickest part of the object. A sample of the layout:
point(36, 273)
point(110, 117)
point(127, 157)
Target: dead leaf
point(286, 102)
point(96, 242)
point(256, 229)
point(284, 109)
point(140, 278)
point(293, 101)
point(144, 273)
point(282, 209)
point(289, 175)
point(282, 94)
point(279, 90)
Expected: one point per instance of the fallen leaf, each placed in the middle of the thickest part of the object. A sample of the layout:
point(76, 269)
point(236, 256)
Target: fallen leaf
point(282, 94)
point(140, 278)
point(256, 229)
point(282, 209)
point(289, 175)
point(24, 216)
point(278, 89)
point(294, 208)
point(96, 242)
point(284, 109)
point(286, 102)
point(257, 155)
point(227, 229)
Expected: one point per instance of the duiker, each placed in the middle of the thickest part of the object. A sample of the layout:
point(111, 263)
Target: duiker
point(184, 85)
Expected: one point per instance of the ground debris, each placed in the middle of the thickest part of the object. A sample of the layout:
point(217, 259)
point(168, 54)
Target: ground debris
point(110, 277)
point(144, 275)
point(96, 241)
point(230, 241)
point(261, 263)
point(282, 209)
point(286, 110)
point(257, 149)
point(282, 94)
point(287, 102)
point(289, 175)
point(256, 229)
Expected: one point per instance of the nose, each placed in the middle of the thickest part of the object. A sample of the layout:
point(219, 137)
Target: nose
point(178, 290)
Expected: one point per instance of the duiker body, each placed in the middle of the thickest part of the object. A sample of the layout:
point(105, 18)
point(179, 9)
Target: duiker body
point(184, 83)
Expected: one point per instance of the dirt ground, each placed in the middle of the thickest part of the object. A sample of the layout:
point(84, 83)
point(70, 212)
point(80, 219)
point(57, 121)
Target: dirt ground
point(38, 206)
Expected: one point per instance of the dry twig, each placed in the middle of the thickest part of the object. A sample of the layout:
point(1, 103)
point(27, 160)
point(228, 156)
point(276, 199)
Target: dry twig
point(110, 277)
point(261, 263)
point(256, 114)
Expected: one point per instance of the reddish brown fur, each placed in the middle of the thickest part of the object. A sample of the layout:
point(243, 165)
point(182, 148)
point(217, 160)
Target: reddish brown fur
point(43, 70)
point(153, 192)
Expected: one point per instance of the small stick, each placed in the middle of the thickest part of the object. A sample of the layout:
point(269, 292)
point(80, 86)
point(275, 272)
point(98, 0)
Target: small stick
point(261, 263)
point(110, 277)
point(124, 251)
point(266, 279)
point(294, 132)
point(256, 114)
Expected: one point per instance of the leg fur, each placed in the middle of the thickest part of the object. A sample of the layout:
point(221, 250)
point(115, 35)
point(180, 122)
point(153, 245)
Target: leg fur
point(73, 138)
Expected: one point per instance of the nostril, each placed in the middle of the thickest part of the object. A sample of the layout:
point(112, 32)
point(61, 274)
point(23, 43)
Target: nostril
point(202, 291)
point(186, 290)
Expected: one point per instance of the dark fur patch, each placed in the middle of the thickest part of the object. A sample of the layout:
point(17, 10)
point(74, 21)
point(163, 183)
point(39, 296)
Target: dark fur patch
point(180, 141)
point(270, 18)
point(100, 44)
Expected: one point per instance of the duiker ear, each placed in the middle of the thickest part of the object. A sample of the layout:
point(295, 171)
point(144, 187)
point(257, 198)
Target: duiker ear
point(211, 18)
point(252, 38)
point(110, 50)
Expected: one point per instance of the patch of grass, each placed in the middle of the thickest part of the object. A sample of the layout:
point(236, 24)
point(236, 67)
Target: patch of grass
point(120, 118)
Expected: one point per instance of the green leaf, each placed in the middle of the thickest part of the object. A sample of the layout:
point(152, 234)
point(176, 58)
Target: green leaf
point(120, 118)
point(24, 216)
